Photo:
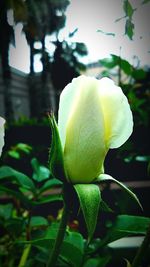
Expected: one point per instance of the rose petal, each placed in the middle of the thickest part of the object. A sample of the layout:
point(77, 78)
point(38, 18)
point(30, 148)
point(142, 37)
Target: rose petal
point(65, 105)
point(85, 145)
point(2, 122)
point(117, 113)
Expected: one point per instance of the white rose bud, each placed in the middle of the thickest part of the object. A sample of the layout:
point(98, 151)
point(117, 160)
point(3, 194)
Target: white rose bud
point(2, 122)
point(94, 116)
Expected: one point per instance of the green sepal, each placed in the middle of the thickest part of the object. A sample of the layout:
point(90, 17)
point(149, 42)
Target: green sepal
point(56, 161)
point(128, 263)
point(108, 178)
point(89, 197)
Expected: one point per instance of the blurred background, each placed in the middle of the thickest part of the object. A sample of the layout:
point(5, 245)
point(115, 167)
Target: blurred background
point(44, 44)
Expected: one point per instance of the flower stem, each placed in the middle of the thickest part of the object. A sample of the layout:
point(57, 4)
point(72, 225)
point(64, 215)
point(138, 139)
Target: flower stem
point(59, 239)
point(24, 256)
point(141, 251)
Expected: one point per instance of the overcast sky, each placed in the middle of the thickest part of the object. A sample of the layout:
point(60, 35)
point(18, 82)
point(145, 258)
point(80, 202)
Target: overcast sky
point(89, 17)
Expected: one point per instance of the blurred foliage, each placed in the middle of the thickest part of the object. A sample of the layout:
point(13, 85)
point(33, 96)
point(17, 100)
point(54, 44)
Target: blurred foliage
point(66, 63)
point(18, 150)
point(26, 121)
point(39, 19)
point(30, 212)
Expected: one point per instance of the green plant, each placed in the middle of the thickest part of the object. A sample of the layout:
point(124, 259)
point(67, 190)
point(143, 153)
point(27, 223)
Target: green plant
point(30, 217)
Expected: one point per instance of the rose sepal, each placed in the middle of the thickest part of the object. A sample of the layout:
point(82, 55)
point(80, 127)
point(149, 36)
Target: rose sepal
point(108, 178)
point(56, 159)
point(89, 196)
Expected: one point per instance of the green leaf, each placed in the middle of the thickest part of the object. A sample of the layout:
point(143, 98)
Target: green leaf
point(128, 263)
point(15, 226)
point(128, 9)
point(19, 149)
point(97, 262)
point(48, 199)
point(18, 195)
point(123, 64)
point(117, 61)
point(129, 28)
point(108, 178)
point(40, 173)
point(14, 154)
point(72, 247)
point(126, 66)
point(109, 62)
point(139, 74)
point(38, 221)
point(51, 183)
point(105, 207)
point(145, 1)
point(90, 198)
point(24, 148)
point(126, 225)
point(20, 178)
point(6, 211)
point(107, 33)
point(56, 154)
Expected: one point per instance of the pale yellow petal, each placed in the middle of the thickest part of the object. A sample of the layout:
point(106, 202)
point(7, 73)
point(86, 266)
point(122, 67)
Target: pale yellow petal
point(85, 146)
point(67, 98)
point(117, 113)
point(2, 122)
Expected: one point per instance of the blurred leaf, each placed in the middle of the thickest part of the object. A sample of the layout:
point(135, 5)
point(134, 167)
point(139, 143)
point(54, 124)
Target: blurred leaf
point(24, 148)
point(105, 207)
point(51, 183)
point(128, 263)
point(117, 61)
point(106, 177)
point(14, 154)
point(38, 221)
point(145, 1)
point(48, 199)
point(17, 150)
point(71, 34)
point(126, 66)
point(107, 33)
point(20, 178)
point(126, 225)
point(18, 195)
point(128, 9)
point(40, 172)
point(15, 226)
point(81, 49)
point(6, 211)
point(139, 74)
point(97, 262)
point(73, 248)
point(90, 198)
point(129, 28)
point(123, 64)
point(19, 9)
point(109, 62)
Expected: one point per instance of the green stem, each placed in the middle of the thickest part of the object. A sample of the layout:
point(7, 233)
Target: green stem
point(59, 239)
point(141, 251)
point(24, 256)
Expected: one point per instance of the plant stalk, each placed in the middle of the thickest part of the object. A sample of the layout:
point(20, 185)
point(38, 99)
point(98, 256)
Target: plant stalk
point(24, 256)
point(59, 239)
point(142, 249)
